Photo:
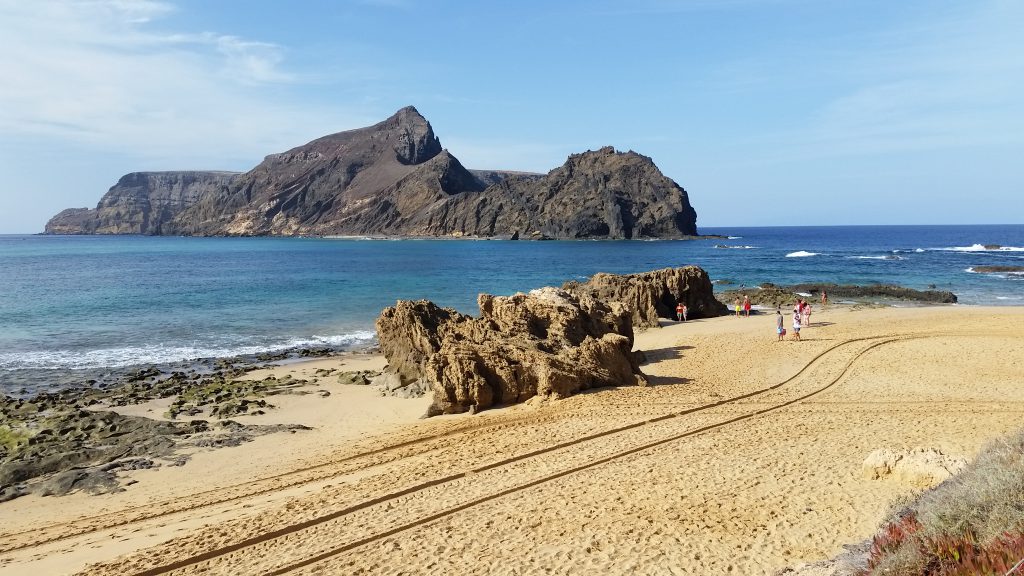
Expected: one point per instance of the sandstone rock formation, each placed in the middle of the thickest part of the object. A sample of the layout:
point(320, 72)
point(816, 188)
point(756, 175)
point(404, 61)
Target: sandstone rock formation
point(394, 179)
point(652, 295)
point(546, 343)
point(141, 203)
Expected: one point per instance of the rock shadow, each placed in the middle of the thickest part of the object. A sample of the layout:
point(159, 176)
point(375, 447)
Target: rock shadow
point(667, 353)
point(666, 380)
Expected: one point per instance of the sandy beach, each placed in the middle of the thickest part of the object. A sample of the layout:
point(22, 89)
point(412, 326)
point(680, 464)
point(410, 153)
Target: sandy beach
point(744, 456)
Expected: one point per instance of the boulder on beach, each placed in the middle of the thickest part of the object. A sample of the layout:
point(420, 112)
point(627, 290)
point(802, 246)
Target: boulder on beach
point(545, 343)
point(652, 295)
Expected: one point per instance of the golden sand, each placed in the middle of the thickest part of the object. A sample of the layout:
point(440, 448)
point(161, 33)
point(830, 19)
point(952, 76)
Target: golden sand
point(743, 457)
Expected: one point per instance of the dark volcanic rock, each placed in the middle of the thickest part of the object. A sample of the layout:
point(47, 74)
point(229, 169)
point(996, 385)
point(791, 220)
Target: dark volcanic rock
point(394, 179)
point(774, 296)
point(602, 194)
point(547, 343)
point(316, 187)
point(652, 295)
point(492, 177)
point(877, 291)
point(141, 203)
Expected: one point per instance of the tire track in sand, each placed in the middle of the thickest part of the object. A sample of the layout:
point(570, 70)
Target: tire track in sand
point(290, 532)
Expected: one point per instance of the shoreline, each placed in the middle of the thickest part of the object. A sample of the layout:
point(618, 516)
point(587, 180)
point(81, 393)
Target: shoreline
point(690, 364)
point(109, 378)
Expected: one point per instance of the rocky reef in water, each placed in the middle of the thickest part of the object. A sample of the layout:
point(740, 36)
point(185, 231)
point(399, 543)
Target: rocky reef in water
point(771, 295)
point(395, 179)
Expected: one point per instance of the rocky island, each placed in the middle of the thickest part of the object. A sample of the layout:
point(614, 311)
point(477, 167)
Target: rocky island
point(395, 179)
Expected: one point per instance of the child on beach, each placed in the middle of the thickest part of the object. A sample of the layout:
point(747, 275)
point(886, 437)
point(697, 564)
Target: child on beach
point(680, 311)
point(746, 306)
point(796, 324)
point(736, 305)
point(685, 310)
point(824, 298)
point(779, 330)
point(807, 314)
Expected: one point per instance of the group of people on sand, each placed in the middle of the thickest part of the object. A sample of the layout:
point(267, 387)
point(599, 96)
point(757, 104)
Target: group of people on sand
point(801, 317)
point(801, 314)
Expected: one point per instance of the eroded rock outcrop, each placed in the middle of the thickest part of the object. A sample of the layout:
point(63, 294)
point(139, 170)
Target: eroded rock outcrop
point(652, 295)
point(545, 343)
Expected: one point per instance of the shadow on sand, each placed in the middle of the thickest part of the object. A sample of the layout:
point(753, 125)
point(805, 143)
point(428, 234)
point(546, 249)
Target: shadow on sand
point(659, 354)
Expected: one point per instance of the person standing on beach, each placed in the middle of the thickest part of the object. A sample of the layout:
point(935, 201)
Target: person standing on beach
point(807, 314)
point(680, 308)
point(685, 310)
point(824, 298)
point(779, 330)
point(736, 305)
point(796, 324)
point(746, 305)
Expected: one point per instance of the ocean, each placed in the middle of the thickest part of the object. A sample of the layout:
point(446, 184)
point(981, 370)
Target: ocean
point(73, 306)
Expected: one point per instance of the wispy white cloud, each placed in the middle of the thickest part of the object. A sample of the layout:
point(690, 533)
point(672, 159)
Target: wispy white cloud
point(100, 74)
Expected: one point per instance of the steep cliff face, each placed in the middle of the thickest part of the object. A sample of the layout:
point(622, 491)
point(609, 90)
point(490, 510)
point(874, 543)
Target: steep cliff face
point(393, 178)
point(141, 203)
point(308, 189)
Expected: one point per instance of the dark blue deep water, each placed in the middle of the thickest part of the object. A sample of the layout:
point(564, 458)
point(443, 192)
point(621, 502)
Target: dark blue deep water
point(107, 301)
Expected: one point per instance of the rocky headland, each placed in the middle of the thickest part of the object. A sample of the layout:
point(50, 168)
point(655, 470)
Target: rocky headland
point(395, 179)
point(141, 203)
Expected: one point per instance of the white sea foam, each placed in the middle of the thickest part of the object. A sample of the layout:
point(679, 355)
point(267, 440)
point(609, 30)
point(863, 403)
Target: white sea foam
point(981, 248)
point(888, 257)
point(735, 246)
point(160, 354)
point(801, 254)
point(735, 237)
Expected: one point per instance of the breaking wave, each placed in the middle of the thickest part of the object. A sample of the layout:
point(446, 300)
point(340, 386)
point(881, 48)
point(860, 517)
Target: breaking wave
point(887, 257)
point(982, 248)
point(802, 254)
point(163, 354)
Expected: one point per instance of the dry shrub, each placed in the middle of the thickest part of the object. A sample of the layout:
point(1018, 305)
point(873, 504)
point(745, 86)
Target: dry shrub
point(972, 523)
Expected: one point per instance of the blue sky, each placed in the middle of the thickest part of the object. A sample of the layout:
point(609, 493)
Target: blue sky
point(770, 112)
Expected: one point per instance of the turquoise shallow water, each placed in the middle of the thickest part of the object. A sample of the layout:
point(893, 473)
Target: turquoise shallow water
point(101, 302)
